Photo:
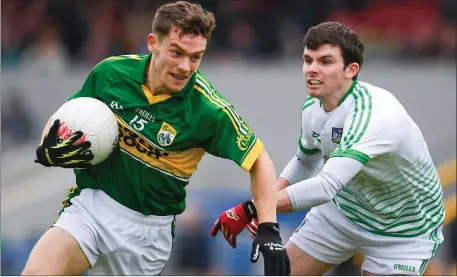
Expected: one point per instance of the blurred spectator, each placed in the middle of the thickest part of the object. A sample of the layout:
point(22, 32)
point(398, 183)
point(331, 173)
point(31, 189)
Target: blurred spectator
point(447, 29)
point(19, 20)
point(47, 55)
point(436, 38)
point(73, 26)
point(108, 34)
point(295, 18)
point(192, 253)
point(17, 125)
point(88, 32)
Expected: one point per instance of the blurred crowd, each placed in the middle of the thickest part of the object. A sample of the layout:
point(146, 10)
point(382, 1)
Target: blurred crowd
point(49, 35)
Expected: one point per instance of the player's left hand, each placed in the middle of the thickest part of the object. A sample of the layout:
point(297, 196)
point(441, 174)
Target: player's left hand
point(275, 258)
point(233, 221)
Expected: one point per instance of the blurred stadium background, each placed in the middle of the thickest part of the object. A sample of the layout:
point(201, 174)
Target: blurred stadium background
point(254, 59)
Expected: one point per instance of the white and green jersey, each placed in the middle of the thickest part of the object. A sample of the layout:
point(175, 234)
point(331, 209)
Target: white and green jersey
point(398, 192)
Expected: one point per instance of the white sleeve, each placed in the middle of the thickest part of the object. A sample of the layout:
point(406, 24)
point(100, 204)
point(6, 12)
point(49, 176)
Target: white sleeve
point(305, 142)
point(308, 160)
point(302, 166)
point(320, 189)
point(369, 132)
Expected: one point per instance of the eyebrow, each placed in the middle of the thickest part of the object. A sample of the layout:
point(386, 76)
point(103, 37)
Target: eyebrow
point(321, 57)
point(191, 54)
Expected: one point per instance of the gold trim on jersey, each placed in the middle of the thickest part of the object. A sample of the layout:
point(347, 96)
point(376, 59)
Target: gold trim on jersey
point(154, 99)
point(179, 164)
point(207, 87)
point(135, 57)
point(220, 106)
point(252, 155)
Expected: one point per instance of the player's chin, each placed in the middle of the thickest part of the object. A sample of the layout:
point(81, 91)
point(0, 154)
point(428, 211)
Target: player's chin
point(173, 87)
point(314, 92)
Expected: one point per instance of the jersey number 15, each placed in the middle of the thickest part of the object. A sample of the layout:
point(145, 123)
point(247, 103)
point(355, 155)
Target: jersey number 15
point(138, 123)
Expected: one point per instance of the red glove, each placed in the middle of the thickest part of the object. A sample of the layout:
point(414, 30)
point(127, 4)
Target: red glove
point(253, 227)
point(233, 221)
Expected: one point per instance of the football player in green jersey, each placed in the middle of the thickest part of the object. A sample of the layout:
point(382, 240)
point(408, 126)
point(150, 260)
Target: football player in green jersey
point(119, 219)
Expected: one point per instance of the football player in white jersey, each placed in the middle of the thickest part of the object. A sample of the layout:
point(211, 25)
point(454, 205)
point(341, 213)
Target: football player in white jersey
point(362, 166)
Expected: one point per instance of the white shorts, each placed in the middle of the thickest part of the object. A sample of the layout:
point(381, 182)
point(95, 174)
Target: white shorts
point(329, 237)
point(116, 239)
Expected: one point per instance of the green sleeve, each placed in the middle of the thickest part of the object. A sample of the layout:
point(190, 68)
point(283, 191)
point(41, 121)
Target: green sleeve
point(234, 140)
point(99, 78)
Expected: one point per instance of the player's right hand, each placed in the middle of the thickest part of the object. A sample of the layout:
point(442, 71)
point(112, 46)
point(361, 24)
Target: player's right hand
point(233, 221)
point(55, 152)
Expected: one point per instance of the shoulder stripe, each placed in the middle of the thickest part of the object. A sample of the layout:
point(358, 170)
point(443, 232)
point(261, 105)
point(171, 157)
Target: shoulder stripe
point(221, 103)
point(121, 57)
point(360, 102)
point(235, 125)
point(367, 96)
point(308, 102)
point(207, 86)
point(360, 119)
point(229, 106)
point(350, 130)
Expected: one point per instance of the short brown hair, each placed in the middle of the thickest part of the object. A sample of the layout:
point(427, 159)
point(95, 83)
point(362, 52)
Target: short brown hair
point(190, 18)
point(335, 33)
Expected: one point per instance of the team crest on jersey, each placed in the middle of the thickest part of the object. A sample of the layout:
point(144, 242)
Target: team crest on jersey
point(166, 134)
point(337, 134)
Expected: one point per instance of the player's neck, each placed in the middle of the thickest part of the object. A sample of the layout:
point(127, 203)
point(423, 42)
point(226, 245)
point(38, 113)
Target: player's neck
point(331, 101)
point(151, 81)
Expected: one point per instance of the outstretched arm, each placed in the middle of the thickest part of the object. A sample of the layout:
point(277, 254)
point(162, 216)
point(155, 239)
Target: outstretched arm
point(302, 166)
point(337, 172)
point(263, 187)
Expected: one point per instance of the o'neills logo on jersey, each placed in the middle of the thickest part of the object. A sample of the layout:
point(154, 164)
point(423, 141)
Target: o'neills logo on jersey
point(404, 267)
point(243, 140)
point(166, 134)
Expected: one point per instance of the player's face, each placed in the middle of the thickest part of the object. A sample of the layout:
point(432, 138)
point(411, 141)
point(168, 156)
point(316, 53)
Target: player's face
point(176, 57)
point(324, 70)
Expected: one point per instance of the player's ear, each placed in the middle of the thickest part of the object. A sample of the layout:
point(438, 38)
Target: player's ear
point(153, 43)
point(352, 70)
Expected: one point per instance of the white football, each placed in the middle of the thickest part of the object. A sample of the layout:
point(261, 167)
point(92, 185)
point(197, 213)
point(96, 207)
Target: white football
point(95, 119)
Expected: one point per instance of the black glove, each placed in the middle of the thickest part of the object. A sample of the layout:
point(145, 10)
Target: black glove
point(268, 241)
point(55, 152)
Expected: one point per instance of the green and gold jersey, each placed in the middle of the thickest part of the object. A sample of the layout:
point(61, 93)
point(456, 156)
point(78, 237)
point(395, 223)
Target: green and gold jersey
point(161, 138)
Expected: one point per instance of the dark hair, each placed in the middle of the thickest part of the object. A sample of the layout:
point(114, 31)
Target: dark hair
point(335, 33)
point(190, 18)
